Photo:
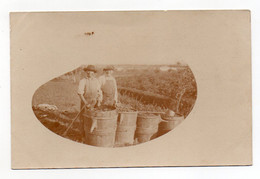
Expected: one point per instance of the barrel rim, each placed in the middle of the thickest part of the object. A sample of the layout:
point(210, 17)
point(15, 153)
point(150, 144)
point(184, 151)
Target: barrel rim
point(126, 112)
point(101, 118)
point(148, 117)
point(172, 118)
point(100, 112)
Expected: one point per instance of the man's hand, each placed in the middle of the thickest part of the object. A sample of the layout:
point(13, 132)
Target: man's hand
point(115, 104)
point(88, 106)
point(98, 104)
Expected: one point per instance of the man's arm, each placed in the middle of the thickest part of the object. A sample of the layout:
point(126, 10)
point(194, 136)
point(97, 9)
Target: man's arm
point(81, 91)
point(116, 93)
point(82, 98)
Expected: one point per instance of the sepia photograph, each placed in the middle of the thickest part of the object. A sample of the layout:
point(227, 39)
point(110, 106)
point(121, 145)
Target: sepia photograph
point(116, 105)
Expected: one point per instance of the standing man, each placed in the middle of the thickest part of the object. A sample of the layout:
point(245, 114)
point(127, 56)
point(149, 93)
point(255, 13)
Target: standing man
point(109, 87)
point(89, 91)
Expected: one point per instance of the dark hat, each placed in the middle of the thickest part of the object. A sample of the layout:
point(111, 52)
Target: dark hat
point(90, 68)
point(109, 67)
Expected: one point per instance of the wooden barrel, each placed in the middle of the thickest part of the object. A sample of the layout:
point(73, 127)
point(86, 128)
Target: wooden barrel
point(169, 123)
point(100, 127)
point(126, 126)
point(147, 127)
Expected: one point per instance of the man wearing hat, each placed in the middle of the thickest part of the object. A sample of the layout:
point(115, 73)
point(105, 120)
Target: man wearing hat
point(108, 87)
point(89, 90)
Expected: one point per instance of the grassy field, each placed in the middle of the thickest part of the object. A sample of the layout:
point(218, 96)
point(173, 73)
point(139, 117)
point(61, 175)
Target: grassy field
point(62, 93)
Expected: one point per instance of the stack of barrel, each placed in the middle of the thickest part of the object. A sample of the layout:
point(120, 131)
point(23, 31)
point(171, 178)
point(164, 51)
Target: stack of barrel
point(112, 129)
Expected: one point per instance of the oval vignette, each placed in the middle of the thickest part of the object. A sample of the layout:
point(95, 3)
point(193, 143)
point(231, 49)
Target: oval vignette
point(152, 100)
